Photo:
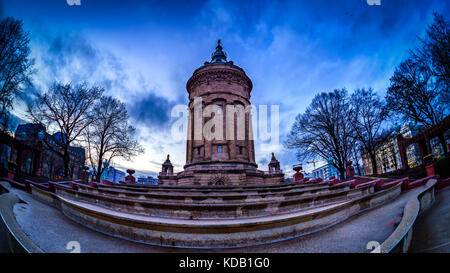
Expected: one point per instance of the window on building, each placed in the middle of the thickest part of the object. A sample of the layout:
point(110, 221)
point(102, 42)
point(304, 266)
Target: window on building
point(219, 149)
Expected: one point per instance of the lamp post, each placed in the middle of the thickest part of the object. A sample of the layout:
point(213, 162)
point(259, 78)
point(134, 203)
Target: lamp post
point(38, 155)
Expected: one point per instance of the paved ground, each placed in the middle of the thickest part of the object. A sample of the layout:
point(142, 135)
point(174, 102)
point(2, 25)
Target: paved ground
point(432, 230)
point(51, 231)
point(3, 241)
point(350, 236)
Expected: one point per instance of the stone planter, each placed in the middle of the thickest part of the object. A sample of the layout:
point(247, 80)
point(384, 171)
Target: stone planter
point(10, 174)
point(430, 169)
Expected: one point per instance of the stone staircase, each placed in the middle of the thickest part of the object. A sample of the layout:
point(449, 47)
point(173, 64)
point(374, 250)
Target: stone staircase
point(213, 217)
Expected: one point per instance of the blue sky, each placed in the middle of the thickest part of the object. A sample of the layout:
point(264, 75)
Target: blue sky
point(143, 52)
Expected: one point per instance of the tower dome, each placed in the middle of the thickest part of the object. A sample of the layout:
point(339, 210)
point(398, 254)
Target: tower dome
point(219, 56)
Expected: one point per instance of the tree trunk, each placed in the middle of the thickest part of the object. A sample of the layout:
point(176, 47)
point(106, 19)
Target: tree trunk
point(99, 173)
point(99, 169)
point(356, 163)
point(443, 143)
point(66, 166)
point(374, 163)
point(342, 173)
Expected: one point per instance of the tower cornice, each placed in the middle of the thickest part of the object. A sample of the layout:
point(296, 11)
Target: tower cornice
point(209, 73)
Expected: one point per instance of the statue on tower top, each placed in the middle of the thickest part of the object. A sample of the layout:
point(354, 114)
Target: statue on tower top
point(219, 56)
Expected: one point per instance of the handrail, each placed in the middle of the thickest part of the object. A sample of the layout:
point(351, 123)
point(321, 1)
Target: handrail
point(400, 239)
point(18, 240)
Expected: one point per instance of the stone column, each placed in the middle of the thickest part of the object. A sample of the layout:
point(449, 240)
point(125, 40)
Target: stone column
point(19, 159)
point(251, 141)
point(402, 152)
point(428, 145)
point(422, 149)
point(190, 135)
point(36, 162)
point(11, 153)
point(442, 141)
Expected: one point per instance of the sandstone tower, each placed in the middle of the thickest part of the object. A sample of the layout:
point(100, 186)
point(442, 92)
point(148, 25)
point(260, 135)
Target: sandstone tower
point(220, 145)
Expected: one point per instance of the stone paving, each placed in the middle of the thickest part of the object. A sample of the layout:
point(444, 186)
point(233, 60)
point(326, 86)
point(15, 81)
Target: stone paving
point(432, 230)
point(51, 231)
point(3, 241)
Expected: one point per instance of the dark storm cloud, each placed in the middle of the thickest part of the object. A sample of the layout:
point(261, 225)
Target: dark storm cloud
point(72, 54)
point(66, 47)
point(151, 111)
point(1, 8)
point(344, 28)
point(290, 49)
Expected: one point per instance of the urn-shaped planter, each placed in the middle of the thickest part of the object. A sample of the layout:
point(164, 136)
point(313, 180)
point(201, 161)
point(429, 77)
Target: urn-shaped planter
point(430, 169)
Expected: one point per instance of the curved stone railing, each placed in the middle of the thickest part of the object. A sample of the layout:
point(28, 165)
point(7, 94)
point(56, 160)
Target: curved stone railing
point(18, 241)
point(400, 239)
point(195, 210)
point(216, 233)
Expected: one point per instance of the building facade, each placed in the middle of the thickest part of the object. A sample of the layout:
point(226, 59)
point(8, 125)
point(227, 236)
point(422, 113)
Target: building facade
point(41, 160)
point(388, 156)
point(220, 145)
point(114, 175)
point(147, 180)
point(325, 171)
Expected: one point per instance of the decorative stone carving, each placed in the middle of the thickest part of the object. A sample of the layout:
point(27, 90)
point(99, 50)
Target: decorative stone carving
point(274, 165)
point(167, 167)
point(298, 176)
point(219, 75)
point(218, 180)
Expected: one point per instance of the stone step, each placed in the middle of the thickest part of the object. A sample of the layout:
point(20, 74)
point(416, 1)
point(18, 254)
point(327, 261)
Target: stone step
point(193, 210)
point(211, 197)
point(215, 187)
point(208, 190)
point(213, 233)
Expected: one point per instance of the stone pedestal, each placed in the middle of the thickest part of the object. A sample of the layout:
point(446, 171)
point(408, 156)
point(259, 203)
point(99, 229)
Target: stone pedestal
point(130, 178)
point(349, 170)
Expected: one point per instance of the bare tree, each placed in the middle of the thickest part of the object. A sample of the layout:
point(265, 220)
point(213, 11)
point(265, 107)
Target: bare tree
point(356, 158)
point(435, 53)
point(324, 130)
point(66, 109)
point(412, 94)
point(419, 87)
point(368, 114)
point(109, 135)
point(15, 65)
